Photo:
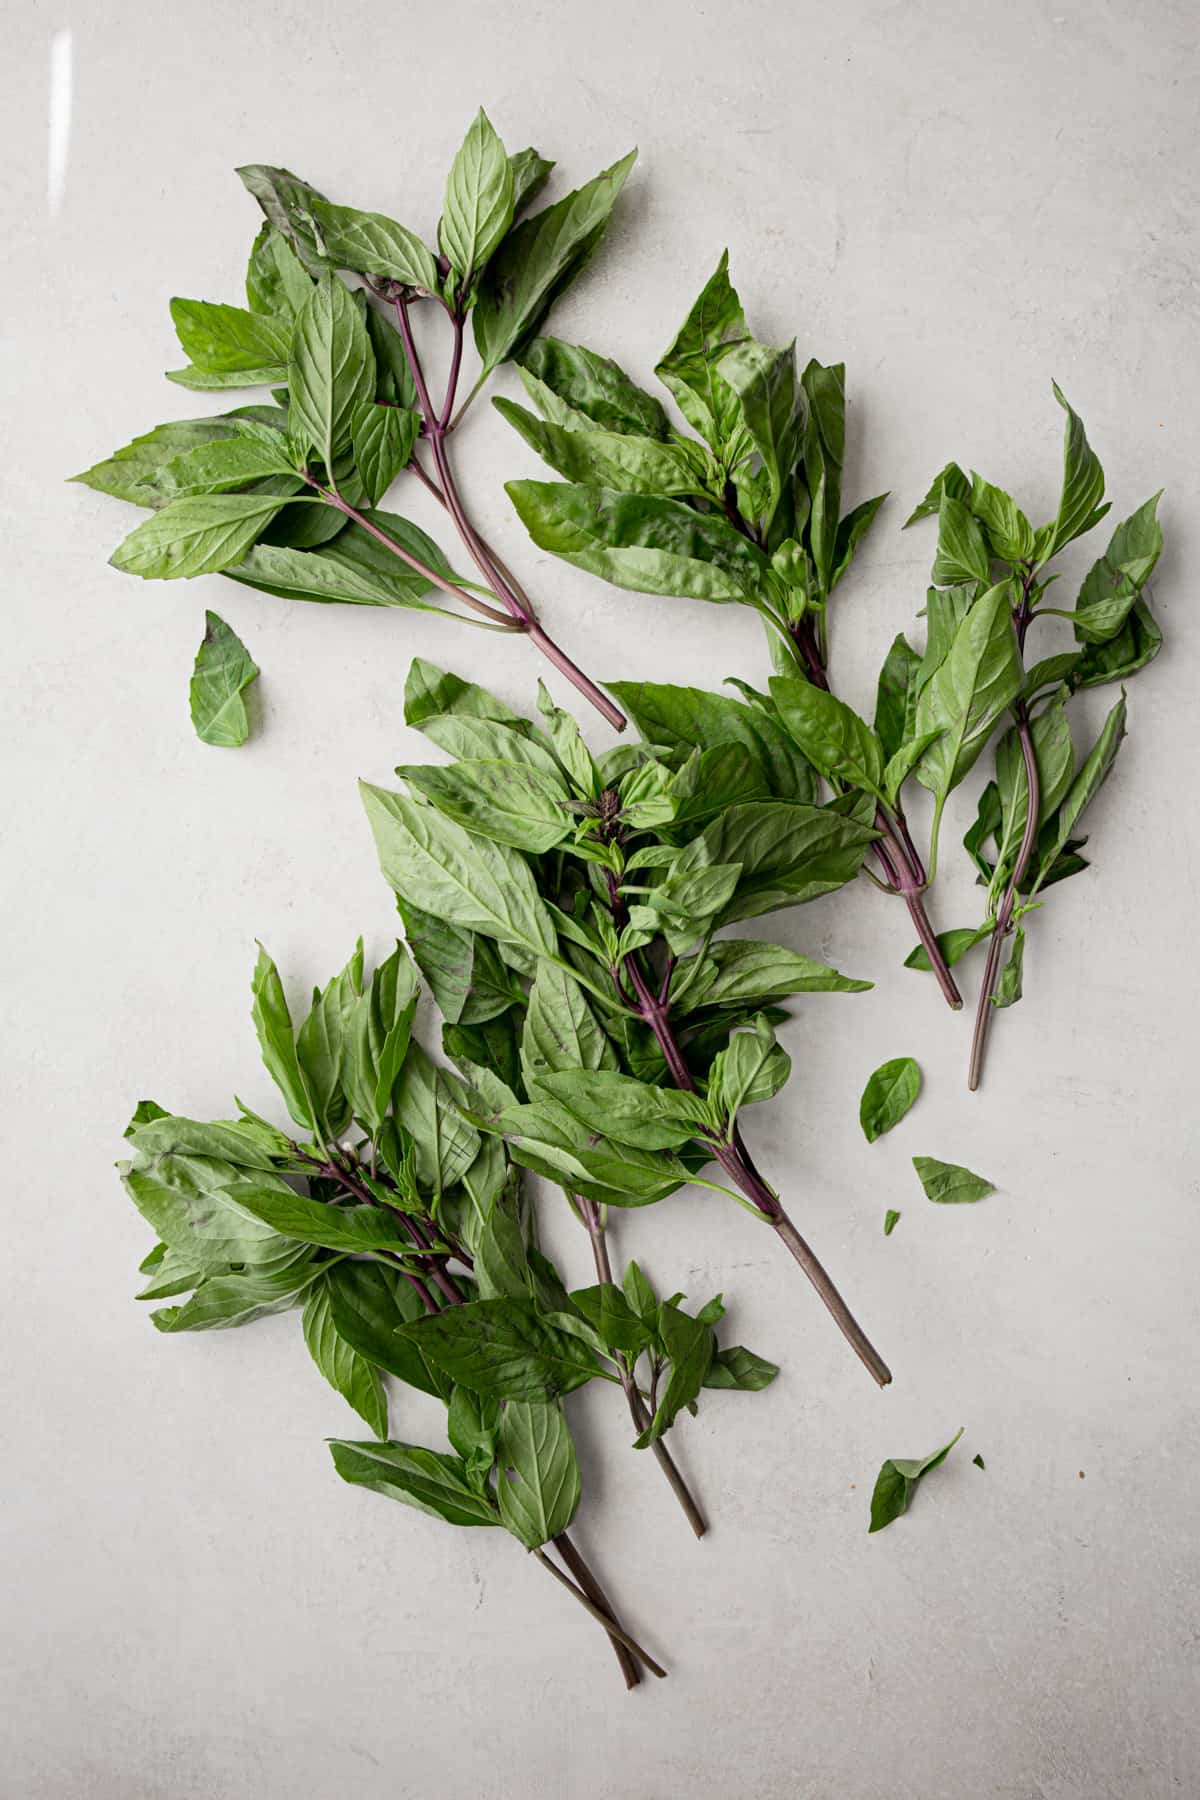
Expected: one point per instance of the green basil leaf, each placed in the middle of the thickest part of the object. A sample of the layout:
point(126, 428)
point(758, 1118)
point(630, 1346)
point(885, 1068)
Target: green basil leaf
point(640, 542)
point(962, 553)
point(195, 536)
point(426, 1479)
point(468, 881)
point(1009, 531)
point(764, 383)
point(1054, 755)
point(896, 696)
point(370, 1303)
point(691, 367)
point(824, 448)
point(789, 853)
point(322, 1045)
point(980, 677)
point(897, 1481)
point(371, 244)
point(277, 284)
point(207, 381)
point(430, 691)
point(606, 459)
point(1093, 773)
point(1137, 643)
point(1113, 585)
point(273, 1023)
point(738, 1367)
point(690, 1345)
point(223, 340)
point(537, 1472)
point(739, 969)
point(949, 480)
point(1083, 486)
point(830, 733)
point(377, 1038)
point(891, 1219)
point(503, 1347)
point(224, 668)
point(351, 1228)
point(346, 1371)
point(620, 1329)
point(222, 1302)
point(531, 172)
point(353, 570)
point(1008, 988)
point(288, 204)
point(425, 1103)
point(138, 471)
point(680, 718)
point(949, 1184)
point(888, 1095)
point(227, 463)
point(188, 1203)
point(952, 944)
point(752, 1068)
point(560, 1030)
point(332, 370)
point(506, 802)
point(594, 386)
point(537, 260)
point(625, 1109)
point(480, 198)
point(383, 438)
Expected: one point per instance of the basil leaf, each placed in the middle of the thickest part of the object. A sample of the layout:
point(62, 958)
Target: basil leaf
point(1054, 756)
point(346, 1371)
point(824, 448)
point(506, 802)
point(273, 1023)
point(952, 944)
point(138, 471)
point(740, 969)
point(620, 1329)
point(891, 1219)
point(480, 198)
point(789, 853)
point(354, 569)
point(222, 340)
point(323, 1041)
point(1113, 585)
point(531, 172)
point(1008, 530)
point(764, 383)
point(896, 695)
point(691, 367)
point(832, 736)
point(636, 541)
point(738, 1367)
point(537, 260)
point(594, 386)
point(444, 1145)
point(188, 1202)
point(383, 438)
point(1093, 773)
point(690, 1345)
point(560, 1030)
point(288, 204)
point(949, 480)
point(228, 463)
point(503, 1347)
point(606, 459)
point(752, 1068)
point(625, 1109)
point(680, 718)
point(949, 1184)
point(962, 553)
point(195, 536)
point(897, 1481)
point(1082, 490)
point(980, 677)
point(370, 1303)
point(537, 1472)
point(331, 372)
point(468, 881)
point(222, 1302)
point(277, 284)
point(888, 1095)
point(352, 1228)
point(1137, 643)
point(377, 1038)
point(432, 1482)
point(1008, 988)
point(224, 669)
point(371, 244)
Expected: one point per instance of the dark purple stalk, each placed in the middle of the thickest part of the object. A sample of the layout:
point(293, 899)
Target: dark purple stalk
point(590, 1214)
point(736, 1161)
point(437, 426)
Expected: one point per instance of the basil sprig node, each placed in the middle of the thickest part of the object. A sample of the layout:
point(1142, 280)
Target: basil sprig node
point(746, 512)
point(991, 559)
point(402, 1235)
point(287, 496)
point(637, 1038)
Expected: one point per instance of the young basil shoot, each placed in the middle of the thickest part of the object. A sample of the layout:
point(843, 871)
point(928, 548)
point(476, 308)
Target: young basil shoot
point(287, 497)
point(746, 512)
point(601, 882)
point(991, 575)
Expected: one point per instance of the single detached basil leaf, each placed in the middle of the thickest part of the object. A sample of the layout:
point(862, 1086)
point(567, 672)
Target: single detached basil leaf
point(537, 1472)
point(891, 1219)
point(897, 1481)
point(434, 1483)
point(888, 1095)
point(343, 1367)
point(480, 196)
point(224, 669)
point(537, 260)
point(195, 536)
point(949, 1184)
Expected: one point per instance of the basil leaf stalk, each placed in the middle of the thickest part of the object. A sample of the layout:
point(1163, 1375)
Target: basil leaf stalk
point(643, 1041)
point(287, 497)
point(748, 511)
point(384, 1226)
point(1024, 838)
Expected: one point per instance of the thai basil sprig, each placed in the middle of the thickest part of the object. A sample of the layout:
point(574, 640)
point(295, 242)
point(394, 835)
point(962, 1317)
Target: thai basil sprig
point(748, 512)
point(602, 882)
point(286, 497)
point(993, 564)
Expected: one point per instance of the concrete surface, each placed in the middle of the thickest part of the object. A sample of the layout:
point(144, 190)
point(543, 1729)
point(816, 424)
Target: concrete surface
point(963, 202)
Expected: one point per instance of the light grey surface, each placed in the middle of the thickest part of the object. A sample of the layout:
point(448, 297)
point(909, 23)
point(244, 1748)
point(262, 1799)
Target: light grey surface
point(962, 202)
